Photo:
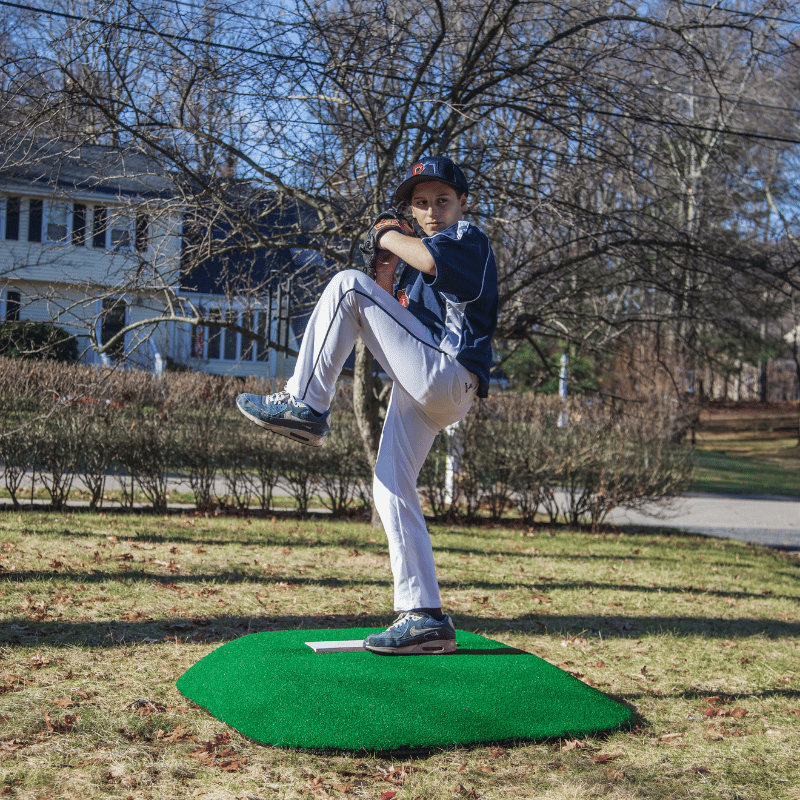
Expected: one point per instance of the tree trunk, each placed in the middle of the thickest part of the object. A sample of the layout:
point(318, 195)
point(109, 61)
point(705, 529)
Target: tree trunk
point(796, 357)
point(366, 405)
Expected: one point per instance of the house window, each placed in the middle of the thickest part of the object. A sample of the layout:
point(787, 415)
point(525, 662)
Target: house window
point(117, 230)
point(121, 232)
point(231, 338)
point(198, 341)
point(213, 343)
point(35, 217)
point(112, 321)
point(246, 341)
point(57, 222)
point(99, 228)
point(214, 338)
point(78, 224)
point(11, 219)
point(13, 304)
point(61, 222)
point(263, 329)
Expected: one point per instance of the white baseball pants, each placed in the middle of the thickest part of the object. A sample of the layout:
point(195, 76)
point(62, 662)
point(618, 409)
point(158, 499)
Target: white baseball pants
point(431, 390)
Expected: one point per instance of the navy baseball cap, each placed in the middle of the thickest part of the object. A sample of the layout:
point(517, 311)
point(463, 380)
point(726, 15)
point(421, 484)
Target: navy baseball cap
point(431, 168)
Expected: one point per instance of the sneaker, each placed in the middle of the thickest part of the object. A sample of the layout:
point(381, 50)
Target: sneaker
point(414, 633)
point(282, 414)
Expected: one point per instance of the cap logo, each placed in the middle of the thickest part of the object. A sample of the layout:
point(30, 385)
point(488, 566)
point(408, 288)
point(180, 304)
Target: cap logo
point(438, 168)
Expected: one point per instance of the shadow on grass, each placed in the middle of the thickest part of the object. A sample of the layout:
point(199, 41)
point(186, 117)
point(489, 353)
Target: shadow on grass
point(238, 577)
point(22, 632)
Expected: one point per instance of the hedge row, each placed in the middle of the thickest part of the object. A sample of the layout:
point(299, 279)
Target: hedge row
point(61, 423)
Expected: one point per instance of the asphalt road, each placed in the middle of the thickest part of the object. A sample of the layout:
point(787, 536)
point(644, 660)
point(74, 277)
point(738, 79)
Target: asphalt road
point(770, 521)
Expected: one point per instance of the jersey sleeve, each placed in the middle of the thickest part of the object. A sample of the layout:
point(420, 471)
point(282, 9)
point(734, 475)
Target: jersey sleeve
point(462, 256)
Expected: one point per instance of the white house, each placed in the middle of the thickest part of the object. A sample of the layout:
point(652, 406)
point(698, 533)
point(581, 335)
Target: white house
point(90, 240)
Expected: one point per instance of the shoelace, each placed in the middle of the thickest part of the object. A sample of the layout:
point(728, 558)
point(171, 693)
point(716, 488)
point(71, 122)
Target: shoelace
point(398, 622)
point(283, 397)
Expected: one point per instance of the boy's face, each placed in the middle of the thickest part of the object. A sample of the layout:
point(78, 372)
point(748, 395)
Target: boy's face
point(436, 206)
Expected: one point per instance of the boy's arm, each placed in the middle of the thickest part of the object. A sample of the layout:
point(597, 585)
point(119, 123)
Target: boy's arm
point(409, 249)
point(385, 267)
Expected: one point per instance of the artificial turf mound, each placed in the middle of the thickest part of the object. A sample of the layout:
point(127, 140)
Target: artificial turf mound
point(274, 689)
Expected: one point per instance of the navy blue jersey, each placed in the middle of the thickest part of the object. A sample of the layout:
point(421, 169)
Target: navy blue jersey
point(459, 303)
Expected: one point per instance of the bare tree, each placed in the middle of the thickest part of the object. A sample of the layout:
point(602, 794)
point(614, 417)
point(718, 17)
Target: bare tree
point(609, 146)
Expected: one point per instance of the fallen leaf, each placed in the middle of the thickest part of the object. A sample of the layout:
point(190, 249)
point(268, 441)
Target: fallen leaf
point(144, 707)
point(567, 746)
point(178, 734)
point(604, 758)
point(616, 774)
point(388, 795)
point(60, 726)
point(135, 616)
point(13, 744)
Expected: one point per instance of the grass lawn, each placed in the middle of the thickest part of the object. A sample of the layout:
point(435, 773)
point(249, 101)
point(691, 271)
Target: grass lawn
point(101, 614)
point(724, 473)
point(742, 463)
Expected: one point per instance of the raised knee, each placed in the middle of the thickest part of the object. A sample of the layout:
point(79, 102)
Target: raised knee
point(346, 279)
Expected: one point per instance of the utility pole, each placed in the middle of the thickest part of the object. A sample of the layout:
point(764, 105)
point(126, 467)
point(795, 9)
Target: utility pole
point(562, 390)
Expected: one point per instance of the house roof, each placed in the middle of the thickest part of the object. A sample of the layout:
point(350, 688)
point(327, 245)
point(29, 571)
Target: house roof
point(220, 254)
point(42, 167)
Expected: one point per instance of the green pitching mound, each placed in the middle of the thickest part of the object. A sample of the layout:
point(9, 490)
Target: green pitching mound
point(274, 689)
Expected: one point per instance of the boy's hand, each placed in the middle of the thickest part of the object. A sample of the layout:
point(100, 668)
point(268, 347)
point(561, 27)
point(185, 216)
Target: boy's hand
point(387, 221)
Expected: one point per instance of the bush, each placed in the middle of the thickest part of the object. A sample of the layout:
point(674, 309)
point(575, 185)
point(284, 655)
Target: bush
point(37, 340)
point(512, 451)
point(58, 421)
point(202, 405)
point(345, 474)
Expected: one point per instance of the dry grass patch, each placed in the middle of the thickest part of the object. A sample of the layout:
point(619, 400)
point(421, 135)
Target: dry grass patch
point(101, 614)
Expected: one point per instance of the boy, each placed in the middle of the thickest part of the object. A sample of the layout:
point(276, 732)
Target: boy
point(432, 334)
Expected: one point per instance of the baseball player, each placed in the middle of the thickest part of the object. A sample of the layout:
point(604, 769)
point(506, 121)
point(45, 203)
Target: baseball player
point(432, 333)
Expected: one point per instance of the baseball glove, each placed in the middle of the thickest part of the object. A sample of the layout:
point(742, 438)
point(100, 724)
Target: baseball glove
point(387, 221)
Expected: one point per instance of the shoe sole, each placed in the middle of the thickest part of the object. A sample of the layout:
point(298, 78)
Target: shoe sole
point(290, 433)
point(417, 649)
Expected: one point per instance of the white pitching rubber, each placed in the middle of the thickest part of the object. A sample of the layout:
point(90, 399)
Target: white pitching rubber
point(348, 646)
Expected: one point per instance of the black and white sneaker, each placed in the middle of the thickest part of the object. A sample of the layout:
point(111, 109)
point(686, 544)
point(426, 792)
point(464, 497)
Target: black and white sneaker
point(281, 413)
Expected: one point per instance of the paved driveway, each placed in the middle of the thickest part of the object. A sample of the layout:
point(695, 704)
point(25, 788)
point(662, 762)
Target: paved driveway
point(772, 521)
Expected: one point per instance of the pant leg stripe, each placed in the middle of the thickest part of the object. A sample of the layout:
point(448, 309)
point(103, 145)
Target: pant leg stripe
point(381, 307)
